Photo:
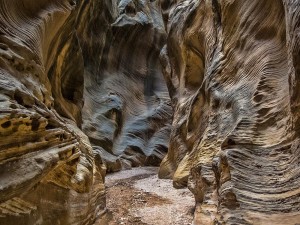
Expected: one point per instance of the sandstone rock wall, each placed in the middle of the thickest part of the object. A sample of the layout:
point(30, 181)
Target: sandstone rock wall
point(48, 173)
point(91, 86)
point(231, 69)
point(127, 111)
point(68, 66)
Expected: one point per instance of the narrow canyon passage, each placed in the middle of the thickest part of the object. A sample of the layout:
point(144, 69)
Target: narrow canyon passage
point(99, 98)
point(138, 197)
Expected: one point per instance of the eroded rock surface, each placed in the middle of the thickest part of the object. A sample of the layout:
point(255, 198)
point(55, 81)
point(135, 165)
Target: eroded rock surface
point(68, 66)
point(127, 110)
point(48, 173)
point(88, 87)
point(232, 73)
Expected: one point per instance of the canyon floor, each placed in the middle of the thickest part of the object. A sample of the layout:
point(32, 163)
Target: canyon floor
point(138, 197)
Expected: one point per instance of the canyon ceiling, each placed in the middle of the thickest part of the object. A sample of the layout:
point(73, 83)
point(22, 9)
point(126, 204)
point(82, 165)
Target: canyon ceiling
point(209, 90)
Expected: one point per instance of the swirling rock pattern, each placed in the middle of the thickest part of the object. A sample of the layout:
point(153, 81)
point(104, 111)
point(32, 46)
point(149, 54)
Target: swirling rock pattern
point(88, 87)
point(127, 112)
point(68, 66)
point(48, 172)
point(232, 71)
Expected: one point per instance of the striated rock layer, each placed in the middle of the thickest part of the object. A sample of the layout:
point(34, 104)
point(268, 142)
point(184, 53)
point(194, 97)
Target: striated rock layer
point(90, 86)
point(68, 66)
point(127, 110)
point(48, 173)
point(232, 71)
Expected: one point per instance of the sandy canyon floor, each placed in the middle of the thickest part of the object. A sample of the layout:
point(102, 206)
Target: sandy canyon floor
point(138, 197)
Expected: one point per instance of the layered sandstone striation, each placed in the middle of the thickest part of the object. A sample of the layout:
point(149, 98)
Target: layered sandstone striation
point(127, 111)
point(232, 73)
point(68, 66)
point(89, 87)
point(48, 171)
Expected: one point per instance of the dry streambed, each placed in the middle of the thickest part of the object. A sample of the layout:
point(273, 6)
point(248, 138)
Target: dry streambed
point(138, 197)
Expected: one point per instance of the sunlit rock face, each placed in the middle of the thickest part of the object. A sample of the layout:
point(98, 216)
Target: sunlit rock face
point(47, 167)
point(232, 71)
point(127, 110)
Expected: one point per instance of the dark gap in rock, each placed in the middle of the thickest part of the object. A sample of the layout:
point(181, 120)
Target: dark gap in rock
point(49, 126)
point(35, 124)
point(6, 124)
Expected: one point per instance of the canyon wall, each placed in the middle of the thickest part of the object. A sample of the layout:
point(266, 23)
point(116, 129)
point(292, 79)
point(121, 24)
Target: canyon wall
point(48, 172)
point(89, 87)
point(127, 110)
point(82, 94)
point(232, 71)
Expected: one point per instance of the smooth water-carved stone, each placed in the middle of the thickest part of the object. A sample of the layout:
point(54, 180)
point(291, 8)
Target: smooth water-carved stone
point(231, 69)
point(48, 172)
point(127, 109)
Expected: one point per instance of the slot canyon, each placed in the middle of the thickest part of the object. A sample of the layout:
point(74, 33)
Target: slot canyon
point(149, 112)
